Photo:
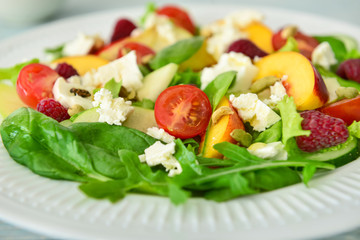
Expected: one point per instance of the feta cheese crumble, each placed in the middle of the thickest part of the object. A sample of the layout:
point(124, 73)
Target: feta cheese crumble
point(232, 61)
point(160, 134)
point(223, 32)
point(254, 111)
point(62, 93)
point(323, 55)
point(113, 111)
point(160, 153)
point(124, 69)
point(277, 92)
point(270, 151)
point(81, 45)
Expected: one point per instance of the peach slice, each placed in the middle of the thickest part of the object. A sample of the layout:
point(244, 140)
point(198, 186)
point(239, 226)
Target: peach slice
point(261, 35)
point(199, 60)
point(83, 64)
point(301, 80)
point(220, 131)
point(11, 100)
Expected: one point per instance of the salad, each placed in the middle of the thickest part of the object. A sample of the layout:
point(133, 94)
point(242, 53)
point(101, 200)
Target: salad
point(169, 108)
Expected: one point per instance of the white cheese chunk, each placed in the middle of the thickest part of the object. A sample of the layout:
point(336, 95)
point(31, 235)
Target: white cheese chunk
point(124, 69)
point(232, 61)
point(162, 154)
point(160, 134)
point(113, 111)
point(254, 111)
point(270, 151)
point(81, 45)
point(62, 94)
point(323, 55)
point(277, 92)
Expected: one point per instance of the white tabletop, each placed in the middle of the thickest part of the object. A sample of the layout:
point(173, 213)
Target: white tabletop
point(345, 10)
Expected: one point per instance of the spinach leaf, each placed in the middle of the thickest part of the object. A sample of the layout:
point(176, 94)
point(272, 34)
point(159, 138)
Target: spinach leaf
point(219, 86)
point(12, 73)
point(337, 46)
point(112, 137)
point(177, 53)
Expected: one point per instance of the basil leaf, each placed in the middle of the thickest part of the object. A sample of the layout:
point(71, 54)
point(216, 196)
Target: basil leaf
point(337, 46)
point(177, 53)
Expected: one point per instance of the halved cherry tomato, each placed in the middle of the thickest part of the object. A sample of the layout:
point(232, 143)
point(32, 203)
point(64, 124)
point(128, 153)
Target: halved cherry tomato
point(346, 109)
point(184, 111)
point(180, 17)
point(143, 52)
point(306, 44)
point(34, 83)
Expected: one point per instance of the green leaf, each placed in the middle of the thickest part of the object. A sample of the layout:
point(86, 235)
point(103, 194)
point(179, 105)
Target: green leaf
point(290, 45)
point(150, 8)
point(186, 77)
point(237, 153)
point(12, 73)
point(215, 162)
point(56, 52)
point(354, 129)
point(177, 194)
point(337, 46)
point(291, 120)
point(114, 87)
point(145, 103)
point(308, 172)
point(272, 134)
point(341, 81)
point(177, 53)
point(219, 86)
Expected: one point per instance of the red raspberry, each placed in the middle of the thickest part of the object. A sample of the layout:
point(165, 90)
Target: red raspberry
point(53, 109)
point(123, 28)
point(350, 69)
point(247, 48)
point(326, 131)
point(65, 70)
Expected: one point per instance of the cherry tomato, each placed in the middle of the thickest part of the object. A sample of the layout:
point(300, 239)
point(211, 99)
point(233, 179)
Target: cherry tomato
point(180, 17)
point(306, 44)
point(143, 52)
point(184, 111)
point(34, 83)
point(346, 109)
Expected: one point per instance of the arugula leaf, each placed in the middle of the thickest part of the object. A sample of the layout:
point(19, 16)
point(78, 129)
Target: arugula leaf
point(341, 81)
point(177, 53)
point(308, 172)
point(219, 86)
point(272, 134)
point(291, 120)
point(12, 73)
point(237, 153)
point(114, 87)
point(186, 77)
point(270, 179)
point(290, 45)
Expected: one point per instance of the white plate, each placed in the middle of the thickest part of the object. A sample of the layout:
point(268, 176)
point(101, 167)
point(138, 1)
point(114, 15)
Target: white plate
point(56, 208)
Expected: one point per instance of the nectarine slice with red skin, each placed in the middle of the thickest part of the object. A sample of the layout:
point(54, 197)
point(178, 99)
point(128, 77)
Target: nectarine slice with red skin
point(346, 109)
point(261, 35)
point(302, 81)
point(220, 132)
